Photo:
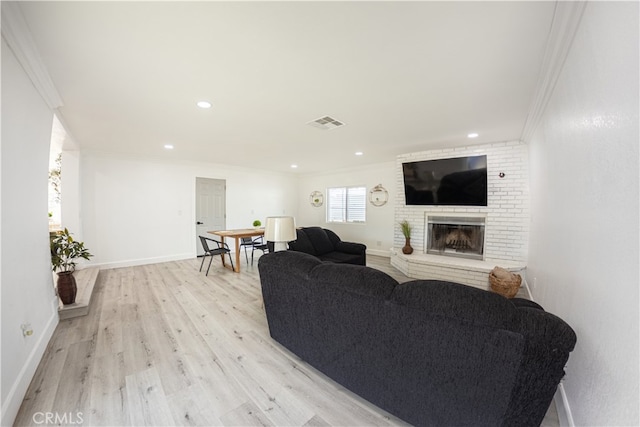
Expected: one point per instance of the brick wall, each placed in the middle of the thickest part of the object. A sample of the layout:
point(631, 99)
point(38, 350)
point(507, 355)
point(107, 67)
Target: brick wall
point(507, 227)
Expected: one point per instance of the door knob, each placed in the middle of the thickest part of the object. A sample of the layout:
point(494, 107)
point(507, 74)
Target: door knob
point(199, 223)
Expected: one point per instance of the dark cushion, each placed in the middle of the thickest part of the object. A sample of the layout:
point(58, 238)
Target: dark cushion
point(319, 239)
point(455, 301)
point(351, 248)
point(272, 263)
point(521, 302)
point(302, 243)
point(341, 257)
point(354, 279)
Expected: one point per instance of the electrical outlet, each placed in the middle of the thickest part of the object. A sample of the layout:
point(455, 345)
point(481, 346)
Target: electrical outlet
point(27, 331)
point(378, 243)
point(534, 283)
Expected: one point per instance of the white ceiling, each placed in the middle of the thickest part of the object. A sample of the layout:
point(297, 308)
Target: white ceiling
point(403, 76)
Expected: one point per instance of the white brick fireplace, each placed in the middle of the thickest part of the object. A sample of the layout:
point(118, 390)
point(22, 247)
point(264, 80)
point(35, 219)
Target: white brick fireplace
point(505, 219)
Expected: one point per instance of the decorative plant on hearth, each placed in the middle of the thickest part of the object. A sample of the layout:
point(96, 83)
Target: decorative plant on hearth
point(64, 253)
point(406, 232)
point(257, 223)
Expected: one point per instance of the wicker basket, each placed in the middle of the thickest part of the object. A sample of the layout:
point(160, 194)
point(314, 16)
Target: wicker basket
point(504, 282)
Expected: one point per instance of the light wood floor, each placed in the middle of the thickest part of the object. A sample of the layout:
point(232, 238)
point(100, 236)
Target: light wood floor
point(165, 345)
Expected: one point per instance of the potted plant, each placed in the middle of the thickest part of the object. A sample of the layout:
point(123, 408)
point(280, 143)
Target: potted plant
point(406, 232)
point(64, 253)
point(257, 223)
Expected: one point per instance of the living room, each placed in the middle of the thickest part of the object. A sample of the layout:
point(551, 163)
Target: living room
point(582, 166)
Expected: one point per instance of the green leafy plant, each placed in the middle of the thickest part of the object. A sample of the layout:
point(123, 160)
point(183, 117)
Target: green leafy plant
point(257, 223)
point(65, 251)
point(406, 228)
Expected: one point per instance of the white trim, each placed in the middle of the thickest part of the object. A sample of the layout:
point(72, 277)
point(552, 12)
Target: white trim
point(16, 33)
point(526, 286)
point(12, 403)
point(563, 409)
point(142, 261)
point(566, 20)
point(378, 252)
point(565, 418)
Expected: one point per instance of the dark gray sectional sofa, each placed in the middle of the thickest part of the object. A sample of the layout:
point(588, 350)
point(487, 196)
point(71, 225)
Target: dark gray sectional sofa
point(432, 353)
point(326, 245)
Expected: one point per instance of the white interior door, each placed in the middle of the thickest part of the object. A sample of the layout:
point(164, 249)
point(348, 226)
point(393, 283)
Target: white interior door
point(210, 208)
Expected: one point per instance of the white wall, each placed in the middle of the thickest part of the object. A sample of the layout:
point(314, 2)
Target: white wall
point(137, 211)
point(26, 280)
point(377, 232)
point(583, 257)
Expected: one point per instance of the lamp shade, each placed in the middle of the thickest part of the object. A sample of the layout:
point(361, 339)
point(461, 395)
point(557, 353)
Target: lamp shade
point(280, 229)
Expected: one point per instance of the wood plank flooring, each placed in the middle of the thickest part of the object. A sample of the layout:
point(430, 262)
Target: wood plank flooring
point(165, 345)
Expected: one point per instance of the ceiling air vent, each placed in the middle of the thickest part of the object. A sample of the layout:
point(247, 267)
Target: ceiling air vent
point(325, 123)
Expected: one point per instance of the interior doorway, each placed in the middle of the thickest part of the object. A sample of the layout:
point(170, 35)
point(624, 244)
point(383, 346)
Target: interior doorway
point(210, 208)
point(58, 136)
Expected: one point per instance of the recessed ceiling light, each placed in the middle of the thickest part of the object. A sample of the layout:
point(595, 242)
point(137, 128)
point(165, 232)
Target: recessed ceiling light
point(359, 153)
point(168, 146)
point(473, 135)
point(294, 166)
point(204, 104)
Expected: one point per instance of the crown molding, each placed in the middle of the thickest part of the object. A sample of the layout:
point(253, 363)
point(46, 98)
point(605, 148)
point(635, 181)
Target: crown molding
point(17, 36)
point(565, 23)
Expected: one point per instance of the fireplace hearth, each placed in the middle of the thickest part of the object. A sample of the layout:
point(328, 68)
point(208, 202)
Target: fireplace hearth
point(455, 236)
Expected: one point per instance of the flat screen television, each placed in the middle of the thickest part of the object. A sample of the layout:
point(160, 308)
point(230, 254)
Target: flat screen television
point(459, 181)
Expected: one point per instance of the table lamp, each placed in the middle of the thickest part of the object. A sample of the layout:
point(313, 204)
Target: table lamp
point(280, 230)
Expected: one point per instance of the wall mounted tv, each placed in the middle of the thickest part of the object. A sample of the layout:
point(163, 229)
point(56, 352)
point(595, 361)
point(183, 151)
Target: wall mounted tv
point(460, 181)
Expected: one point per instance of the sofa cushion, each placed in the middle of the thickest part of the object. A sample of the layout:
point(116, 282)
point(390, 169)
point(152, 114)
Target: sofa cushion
point(319, 240)
point(302, 243)
point(354, 279)
point(522, 303)
point(456, 301)
point(273, 262)
point(341, 257)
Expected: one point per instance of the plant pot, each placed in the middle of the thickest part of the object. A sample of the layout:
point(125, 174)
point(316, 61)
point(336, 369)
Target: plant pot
point(67, 288)
point(407, 249)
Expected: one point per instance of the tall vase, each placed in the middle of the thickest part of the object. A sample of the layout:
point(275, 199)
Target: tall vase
point(407, 249)
point(67, 288)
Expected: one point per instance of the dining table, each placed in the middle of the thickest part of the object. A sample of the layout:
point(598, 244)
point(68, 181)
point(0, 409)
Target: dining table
point(237, 235)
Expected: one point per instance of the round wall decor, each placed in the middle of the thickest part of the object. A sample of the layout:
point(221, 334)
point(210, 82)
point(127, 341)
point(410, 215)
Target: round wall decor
point(316, 199)
point(378, 195)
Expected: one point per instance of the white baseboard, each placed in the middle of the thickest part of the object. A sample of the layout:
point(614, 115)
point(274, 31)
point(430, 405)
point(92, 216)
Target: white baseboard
point(526, 286)
point(12, 403)
point(565, 417)
point(560, 398)
point(142, 261)
point(379, 252)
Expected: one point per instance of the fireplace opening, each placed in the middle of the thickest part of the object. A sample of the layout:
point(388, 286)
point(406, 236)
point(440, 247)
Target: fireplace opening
point(455, 236)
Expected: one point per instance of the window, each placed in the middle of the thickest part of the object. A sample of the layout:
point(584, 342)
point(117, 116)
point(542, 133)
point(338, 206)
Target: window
point(346, 204)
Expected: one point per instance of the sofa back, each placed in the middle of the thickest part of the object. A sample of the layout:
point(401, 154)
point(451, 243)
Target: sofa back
point(313, 240)
point(430, 352)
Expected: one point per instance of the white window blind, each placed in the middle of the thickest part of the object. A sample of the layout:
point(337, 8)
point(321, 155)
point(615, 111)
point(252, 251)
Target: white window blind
point(346, 204)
